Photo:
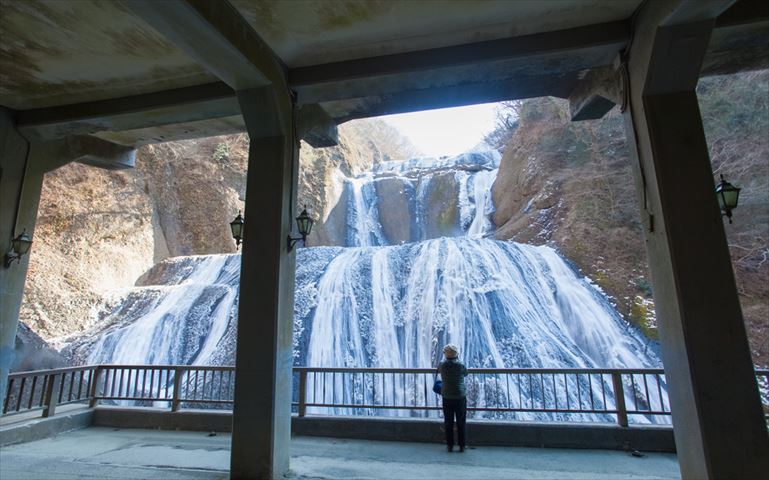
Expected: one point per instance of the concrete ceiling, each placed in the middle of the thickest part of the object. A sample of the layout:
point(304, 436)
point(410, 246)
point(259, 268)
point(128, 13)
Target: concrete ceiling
point(311, 32)
point(57, 52)
point(132, 71)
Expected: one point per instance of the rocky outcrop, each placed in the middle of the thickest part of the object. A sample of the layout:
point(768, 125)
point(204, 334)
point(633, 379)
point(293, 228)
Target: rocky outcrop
point(96, 232)
point(33, 353)
point(570, 184)
point(396, 199)
point(196, 188)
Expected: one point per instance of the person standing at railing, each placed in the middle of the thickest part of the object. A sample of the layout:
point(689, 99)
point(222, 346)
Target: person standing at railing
point(453, 373)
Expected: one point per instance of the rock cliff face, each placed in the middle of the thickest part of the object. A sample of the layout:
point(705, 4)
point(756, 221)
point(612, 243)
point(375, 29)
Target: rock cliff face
point(362, 144)
point(99, 231)
point(96, 232)
point(570, 184)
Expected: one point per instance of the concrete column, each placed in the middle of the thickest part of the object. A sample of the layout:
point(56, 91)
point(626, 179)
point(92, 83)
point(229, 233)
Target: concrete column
point(13, 157)
point(22, 169)
point(261, 430)
point(717, 416)
point(21, 181)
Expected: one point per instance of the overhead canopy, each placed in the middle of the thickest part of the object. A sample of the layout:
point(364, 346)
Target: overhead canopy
point(140, 71)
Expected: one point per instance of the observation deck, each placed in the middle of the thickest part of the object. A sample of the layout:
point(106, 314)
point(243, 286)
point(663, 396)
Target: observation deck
point(100, 452)
point(173, 421)
point(160, 71)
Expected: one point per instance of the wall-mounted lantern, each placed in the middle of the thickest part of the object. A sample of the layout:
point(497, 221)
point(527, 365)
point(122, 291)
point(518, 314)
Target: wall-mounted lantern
point(304, 223)
point(728, 197)
point(237, 229)
point(19, 247)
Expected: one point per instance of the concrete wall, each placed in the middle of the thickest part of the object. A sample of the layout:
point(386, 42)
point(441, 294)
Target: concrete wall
point(45, 427)
point(610, 437)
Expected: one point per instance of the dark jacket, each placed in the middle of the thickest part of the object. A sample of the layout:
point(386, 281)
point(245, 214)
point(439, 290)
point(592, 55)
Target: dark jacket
point(453, 373)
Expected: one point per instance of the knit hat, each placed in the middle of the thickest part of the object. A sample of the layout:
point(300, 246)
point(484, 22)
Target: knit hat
point(450, 351)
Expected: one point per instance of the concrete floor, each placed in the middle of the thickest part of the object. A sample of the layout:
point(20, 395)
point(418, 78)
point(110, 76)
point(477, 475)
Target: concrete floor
point(107, 453)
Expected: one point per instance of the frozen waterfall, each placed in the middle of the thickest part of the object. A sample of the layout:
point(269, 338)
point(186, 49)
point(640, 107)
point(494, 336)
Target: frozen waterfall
point(392, 297)
point(445, 197)
point(180, 319)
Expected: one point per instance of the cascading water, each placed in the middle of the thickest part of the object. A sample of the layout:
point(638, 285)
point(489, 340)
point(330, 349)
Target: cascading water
point(481, 204)
point(180, 319)
point(434, 197)
point(385, 303)
point(363, 228)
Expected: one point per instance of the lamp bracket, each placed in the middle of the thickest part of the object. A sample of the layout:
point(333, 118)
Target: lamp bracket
point(292, 241)
point(10, 257)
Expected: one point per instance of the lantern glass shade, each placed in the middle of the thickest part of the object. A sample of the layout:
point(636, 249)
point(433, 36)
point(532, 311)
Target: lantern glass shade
point(304, 223)
point(21, 244)
point(237, 227)
point(728, 195)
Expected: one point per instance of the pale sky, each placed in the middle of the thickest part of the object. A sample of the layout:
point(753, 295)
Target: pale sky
point(446, 131)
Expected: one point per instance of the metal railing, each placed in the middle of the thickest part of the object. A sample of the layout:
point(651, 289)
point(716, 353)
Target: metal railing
point(45, 389)
point(526, 394)
point(556, 394)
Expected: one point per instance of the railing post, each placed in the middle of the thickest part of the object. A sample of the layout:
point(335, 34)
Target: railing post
point(302, 393)
point(619, 399)
point(177, 389)
point(95, 374)
point(51, 388)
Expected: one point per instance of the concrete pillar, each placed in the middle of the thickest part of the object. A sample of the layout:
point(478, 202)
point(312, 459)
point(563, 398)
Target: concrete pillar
point(22, 169)
point(21, 181)
point(261, 430)
point(717, 416)
point(13, 156)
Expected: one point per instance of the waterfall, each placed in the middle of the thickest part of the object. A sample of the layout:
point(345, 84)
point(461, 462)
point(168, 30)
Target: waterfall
point(445, 197)
point(391, 298)
point(505, 305)
point(481, 202)
point(181, 319)
point(364, 229)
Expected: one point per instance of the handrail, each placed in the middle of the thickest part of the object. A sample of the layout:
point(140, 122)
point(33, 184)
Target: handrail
point(50, 371)
point(48, 389)
point(538, 392)
point(168, 366)
point(606, 371)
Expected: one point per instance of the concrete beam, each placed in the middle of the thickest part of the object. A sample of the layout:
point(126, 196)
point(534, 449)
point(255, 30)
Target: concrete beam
point(678, 69)
point(181, 105)
point(316, 127)
point(161, 116)
point(718, 421)
point(597, 93)
point(218, 37)
point(693, 11)
point(738, 47)
point(525, 46)
point(742, 12)
point(453, 96)
point(97, 153)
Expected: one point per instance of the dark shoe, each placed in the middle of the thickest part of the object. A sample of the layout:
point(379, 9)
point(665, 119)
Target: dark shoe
point(461, 448)
point(449, 448)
